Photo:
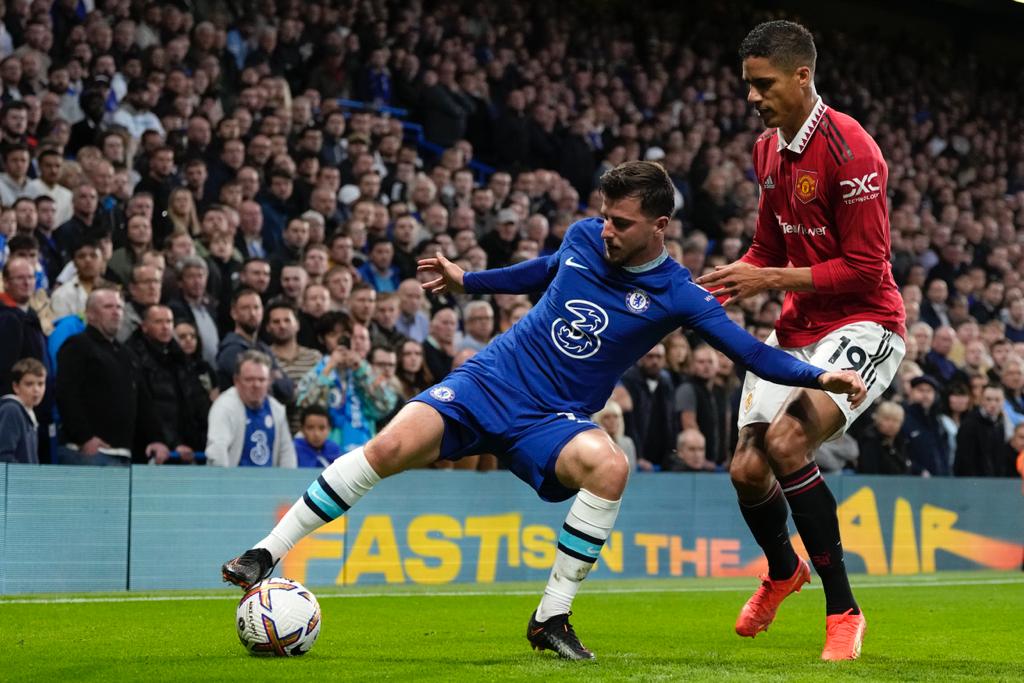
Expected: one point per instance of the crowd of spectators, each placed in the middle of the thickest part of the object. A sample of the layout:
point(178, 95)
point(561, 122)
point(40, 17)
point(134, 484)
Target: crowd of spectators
point(189, 213)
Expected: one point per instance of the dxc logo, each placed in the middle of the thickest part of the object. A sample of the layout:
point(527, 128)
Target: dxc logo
point(860, 186)
point(578, 334)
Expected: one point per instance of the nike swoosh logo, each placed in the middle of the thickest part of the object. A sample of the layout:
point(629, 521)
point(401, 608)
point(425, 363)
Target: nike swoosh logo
point(535, 631)
point(570, 262)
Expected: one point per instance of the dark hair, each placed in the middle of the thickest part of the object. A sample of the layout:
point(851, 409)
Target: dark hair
point(244, 291)
point(784, 43)
point(374, 241)
point(13, 147)
point(338, 235)
point(330, 320)
point(89, 241)
point(254, 259)
point(380, 347)
point(278, 303)
point(27, 366)
point(210, 209)
point(315, 409)
point(15, 104)
point(22, 242)
point(49, 152)
point(645, 180)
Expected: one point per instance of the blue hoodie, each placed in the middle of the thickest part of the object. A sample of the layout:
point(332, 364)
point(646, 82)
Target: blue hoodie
point(19, 435)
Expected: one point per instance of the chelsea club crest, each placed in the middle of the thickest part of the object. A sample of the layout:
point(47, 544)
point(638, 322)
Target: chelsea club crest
point(442, 393)
point(638, 300)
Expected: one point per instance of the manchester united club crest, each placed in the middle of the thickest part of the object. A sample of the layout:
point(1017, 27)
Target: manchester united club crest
point(806, 186)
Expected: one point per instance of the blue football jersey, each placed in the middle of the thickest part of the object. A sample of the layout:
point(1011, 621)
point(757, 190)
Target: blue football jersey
point(596, 319)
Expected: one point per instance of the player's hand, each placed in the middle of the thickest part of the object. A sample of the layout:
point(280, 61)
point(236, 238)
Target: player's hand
point(449, 276)
point(738, 280)
point(845, 382)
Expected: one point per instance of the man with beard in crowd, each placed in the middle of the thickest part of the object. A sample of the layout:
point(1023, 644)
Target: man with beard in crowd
point(247, 312)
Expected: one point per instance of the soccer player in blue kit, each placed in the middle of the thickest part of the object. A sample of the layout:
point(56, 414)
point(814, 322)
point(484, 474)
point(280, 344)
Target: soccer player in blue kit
point(610, 294)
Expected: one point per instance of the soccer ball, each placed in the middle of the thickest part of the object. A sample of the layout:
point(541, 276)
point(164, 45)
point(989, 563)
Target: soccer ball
point(278, 618)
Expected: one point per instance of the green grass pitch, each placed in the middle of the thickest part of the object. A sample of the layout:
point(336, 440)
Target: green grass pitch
point(951, 626)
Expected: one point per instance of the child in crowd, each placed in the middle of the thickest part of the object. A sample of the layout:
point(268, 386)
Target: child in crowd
point(19, 435)
point(312, 446)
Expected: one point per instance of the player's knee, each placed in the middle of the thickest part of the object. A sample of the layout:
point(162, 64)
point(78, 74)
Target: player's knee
point(384, 453)
point(618, 469)
point(749, 471)
point(786, 441)
point(608, 474)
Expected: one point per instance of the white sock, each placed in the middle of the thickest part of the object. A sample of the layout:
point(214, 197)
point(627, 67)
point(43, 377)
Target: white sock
point(338, 488)
point(587, 526)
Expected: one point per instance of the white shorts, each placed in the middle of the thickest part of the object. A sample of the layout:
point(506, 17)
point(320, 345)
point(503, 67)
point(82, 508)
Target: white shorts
point(864, 346)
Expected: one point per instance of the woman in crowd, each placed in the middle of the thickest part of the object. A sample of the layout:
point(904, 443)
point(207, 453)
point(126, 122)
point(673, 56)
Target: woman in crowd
point(956, 404)
point(181, 213)
point(191, 345)
point(677, 357)
point(412, 371)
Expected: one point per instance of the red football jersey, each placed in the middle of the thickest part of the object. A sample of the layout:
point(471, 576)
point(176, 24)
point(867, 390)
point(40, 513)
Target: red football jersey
point(823, 206)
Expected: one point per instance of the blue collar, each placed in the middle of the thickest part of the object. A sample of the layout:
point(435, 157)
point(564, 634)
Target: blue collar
point(650, 265)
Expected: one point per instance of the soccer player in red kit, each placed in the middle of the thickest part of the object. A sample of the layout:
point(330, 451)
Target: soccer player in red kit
point(822, 236)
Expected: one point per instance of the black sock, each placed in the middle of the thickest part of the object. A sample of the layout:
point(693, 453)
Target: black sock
point(814, 513)
point(767, 522)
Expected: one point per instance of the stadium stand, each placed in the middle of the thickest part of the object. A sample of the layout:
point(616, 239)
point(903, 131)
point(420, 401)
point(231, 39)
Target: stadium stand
point(383, 131)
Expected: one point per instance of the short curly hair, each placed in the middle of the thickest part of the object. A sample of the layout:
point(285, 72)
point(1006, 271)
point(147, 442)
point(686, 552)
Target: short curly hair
point(783, 43)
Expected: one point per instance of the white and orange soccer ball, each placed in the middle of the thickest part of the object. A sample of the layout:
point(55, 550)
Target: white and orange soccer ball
point(278, 618)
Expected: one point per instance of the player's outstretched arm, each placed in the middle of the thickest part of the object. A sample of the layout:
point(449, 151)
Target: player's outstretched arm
point(710, 320)
point(449, 276)
point(522, 278)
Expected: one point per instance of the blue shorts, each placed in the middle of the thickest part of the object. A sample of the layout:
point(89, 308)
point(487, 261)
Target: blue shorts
point(483, 415)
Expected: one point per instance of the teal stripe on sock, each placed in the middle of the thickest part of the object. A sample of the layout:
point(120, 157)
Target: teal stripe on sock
point(324, 501)
point(579, 545)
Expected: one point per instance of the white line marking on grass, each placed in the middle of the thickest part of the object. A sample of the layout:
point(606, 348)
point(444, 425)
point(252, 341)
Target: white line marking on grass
point(923, 583)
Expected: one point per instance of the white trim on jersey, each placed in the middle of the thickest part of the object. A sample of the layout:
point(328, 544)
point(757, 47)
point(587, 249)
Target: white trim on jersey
point(803, 136)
